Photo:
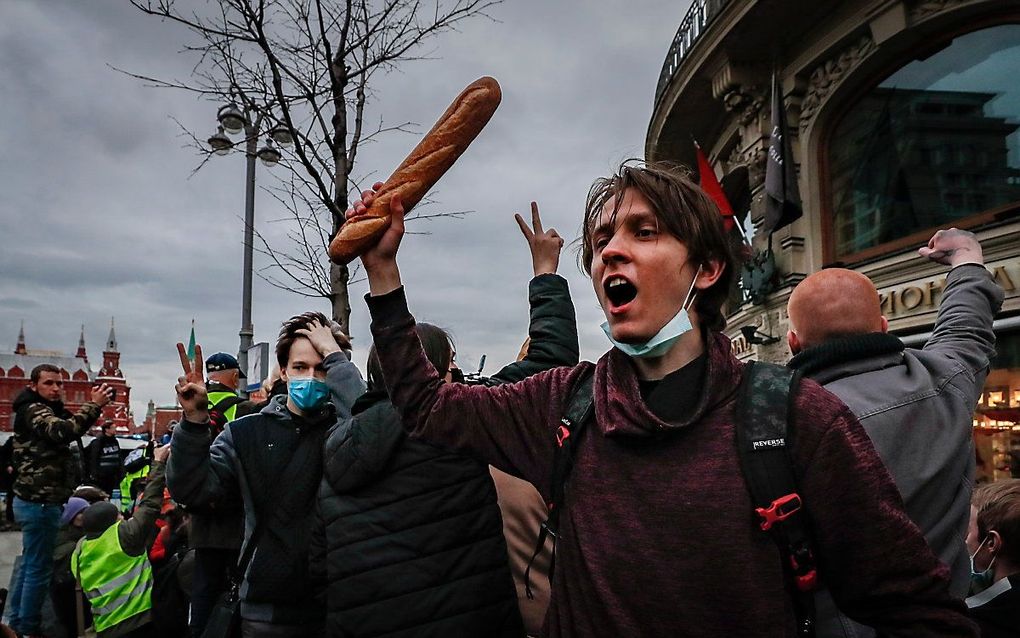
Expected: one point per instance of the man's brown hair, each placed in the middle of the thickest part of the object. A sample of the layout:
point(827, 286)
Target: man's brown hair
point(289, 332)
point(1000, 512)
point(685, 211)
point(43, 367)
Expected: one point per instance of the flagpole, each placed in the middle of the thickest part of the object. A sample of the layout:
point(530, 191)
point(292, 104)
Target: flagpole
point(710, 184)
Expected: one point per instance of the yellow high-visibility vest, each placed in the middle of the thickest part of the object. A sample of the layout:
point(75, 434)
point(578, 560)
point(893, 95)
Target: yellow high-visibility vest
point(126, 502)
point(214, 399)
point(118, 586)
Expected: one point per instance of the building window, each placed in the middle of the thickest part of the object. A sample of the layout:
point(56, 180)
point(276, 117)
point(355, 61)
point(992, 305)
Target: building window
point(997, 418)
point(935, 142)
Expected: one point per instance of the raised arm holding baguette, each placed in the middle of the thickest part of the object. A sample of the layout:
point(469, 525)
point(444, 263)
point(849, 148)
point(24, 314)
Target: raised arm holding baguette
point(434, 155)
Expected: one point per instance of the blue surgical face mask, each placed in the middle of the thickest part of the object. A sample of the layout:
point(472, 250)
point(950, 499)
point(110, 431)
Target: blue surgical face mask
point(308, 393)
point(982, 580)
point(664, 339)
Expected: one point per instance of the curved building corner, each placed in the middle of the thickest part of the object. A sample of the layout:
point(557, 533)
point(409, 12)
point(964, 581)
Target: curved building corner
point(904, 117)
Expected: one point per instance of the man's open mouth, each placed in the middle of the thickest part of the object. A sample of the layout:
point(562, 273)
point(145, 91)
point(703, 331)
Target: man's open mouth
point(619, 291)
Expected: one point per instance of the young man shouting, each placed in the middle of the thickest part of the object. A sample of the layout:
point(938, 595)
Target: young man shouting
point(657, 535)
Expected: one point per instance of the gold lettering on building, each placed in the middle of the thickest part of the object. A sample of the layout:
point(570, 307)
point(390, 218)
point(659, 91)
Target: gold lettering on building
point(912, 297)
point(930, 288)
point(887, 302)
point(923, 296)
point(1001, 276)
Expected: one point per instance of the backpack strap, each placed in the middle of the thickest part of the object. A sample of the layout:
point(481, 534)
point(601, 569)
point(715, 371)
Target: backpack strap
point(764, 438)
point(580, 408)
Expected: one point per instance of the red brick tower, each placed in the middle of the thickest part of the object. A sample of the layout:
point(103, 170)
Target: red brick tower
point(119, 409)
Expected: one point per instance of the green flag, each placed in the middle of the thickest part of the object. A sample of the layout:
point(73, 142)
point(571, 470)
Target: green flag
point(191, 342)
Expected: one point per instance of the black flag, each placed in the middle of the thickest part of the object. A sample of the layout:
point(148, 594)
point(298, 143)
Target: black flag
point(782, 200)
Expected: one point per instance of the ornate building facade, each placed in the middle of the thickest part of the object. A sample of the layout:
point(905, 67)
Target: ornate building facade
point(79, 379)
point(904, 117)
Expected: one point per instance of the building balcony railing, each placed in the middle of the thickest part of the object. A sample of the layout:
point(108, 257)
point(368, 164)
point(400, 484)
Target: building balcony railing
point(693, 26)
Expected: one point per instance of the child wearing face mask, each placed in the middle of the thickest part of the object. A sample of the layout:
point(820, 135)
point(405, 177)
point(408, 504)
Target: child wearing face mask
point(994, 543)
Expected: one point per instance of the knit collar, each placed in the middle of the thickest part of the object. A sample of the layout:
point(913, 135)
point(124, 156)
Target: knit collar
point(620, 410)
point(843, 350)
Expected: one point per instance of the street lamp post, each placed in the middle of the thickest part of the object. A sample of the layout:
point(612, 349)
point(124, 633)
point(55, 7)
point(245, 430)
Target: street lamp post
point(233, 121)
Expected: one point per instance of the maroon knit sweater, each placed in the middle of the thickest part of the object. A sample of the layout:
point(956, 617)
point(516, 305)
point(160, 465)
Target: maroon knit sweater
point(657, 535)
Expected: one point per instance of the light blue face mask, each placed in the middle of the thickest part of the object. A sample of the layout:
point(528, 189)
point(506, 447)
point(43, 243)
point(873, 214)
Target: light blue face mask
point(981, 580)
point(664, 339)
point(308, 393)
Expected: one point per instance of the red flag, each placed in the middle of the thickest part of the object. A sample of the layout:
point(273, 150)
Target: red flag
point(709, 184)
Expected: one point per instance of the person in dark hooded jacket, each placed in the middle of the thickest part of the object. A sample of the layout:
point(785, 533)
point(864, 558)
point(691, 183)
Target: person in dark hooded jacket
point(410, 539)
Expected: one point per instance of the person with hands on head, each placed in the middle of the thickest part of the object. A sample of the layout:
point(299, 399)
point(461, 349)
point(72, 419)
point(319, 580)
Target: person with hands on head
point(111, 561)
point(45, 467)
point(656, 491)
point(409, 538)
point(270, 461)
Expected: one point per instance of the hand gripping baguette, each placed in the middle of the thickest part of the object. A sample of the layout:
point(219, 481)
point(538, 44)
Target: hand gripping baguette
point(437, 151)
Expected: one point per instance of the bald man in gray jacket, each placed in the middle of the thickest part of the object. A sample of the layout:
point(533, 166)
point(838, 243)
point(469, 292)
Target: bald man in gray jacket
point(916, 405)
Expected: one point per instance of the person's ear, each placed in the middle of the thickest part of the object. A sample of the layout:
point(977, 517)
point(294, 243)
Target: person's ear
point(885, 324)
point(793, 341)
point(283, 375)
point(994, 542)
point(711, 270)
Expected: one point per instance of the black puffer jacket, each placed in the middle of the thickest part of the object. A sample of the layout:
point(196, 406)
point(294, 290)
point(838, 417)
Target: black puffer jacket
point(415, 535)
point(410, 540)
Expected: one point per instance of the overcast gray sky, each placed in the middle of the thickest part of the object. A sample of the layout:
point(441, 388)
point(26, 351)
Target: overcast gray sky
point(99, 217)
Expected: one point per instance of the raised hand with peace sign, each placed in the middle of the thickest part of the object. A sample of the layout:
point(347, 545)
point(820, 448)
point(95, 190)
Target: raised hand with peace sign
point(545, 245)
point(191, 393)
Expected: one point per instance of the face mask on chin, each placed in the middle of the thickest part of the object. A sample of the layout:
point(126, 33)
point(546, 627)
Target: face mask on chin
point(308, 393)
point(981, 580)
point(664, 339)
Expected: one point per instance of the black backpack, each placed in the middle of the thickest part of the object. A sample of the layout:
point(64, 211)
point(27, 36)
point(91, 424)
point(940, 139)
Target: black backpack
point(764, 435)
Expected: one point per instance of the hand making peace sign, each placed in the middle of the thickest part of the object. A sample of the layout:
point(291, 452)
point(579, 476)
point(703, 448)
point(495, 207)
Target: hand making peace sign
point(191, 393)
point(545, 245)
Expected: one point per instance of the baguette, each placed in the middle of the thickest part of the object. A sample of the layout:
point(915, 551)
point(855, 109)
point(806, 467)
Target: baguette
point(419, 172)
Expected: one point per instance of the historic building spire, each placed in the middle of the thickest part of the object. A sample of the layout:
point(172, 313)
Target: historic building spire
point(111, 356)
point(20, 348)
point(111, 341)
point(81, 346)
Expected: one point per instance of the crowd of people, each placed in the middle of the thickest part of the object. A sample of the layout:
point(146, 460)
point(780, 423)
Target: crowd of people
point(667, 489)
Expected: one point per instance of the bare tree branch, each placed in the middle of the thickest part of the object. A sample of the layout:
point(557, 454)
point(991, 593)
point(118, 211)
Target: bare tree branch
point(307, 66)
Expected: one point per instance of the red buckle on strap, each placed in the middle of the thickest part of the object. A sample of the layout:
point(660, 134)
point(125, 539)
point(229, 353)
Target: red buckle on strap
point(562, 434)
point(808, 580)
point(781, 509)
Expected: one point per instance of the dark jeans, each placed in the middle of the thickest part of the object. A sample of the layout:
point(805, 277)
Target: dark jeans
point(211, 578)
point(39, 523)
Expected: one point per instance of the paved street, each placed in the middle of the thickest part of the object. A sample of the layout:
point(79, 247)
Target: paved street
point(10, 547)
